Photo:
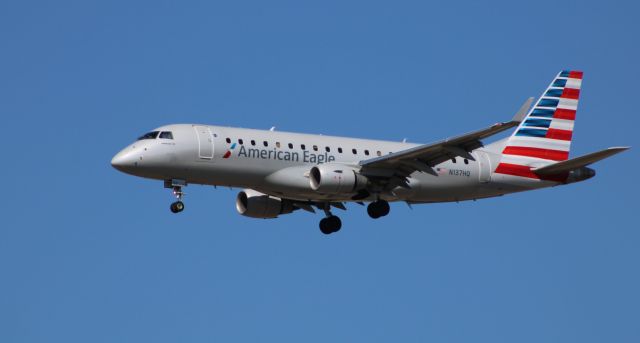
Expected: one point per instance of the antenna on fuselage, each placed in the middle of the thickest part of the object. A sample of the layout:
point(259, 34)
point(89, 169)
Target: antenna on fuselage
point(404, 140)
point(273, 128)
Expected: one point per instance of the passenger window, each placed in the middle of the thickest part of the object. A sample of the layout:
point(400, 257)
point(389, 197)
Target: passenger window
point(277, 144)
point(265, 143)
point(366, 152)
point(228, 140)
point(315, 148)
point(355, 152)
point(453, 160)
point(240, 141)
point(340, 150)
point(150, 135)
point(290, 146)
point(253, 142)
point(166, 135)
point(466, 161)
point(327, 149)
point(302, 146)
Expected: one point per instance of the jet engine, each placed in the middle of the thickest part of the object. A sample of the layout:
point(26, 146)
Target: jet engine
point(254, 204)
point(336, 179)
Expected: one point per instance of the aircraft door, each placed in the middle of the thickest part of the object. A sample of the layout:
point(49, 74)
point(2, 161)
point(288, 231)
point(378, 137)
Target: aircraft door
point(205, 142)
point(484, 167)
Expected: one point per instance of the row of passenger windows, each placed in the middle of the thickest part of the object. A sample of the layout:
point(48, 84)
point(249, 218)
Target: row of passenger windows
point(303, 147)
point(315, 148)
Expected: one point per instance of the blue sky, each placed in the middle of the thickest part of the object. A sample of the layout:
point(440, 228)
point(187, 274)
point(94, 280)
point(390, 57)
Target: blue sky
point(90, 254)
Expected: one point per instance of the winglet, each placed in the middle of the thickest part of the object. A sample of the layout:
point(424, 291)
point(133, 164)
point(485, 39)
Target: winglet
point(522, 112)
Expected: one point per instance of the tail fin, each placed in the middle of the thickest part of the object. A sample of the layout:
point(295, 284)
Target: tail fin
point(544, 136)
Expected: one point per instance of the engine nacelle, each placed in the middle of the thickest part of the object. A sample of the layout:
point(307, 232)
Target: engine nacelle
point(254, 204)
point(336, 179)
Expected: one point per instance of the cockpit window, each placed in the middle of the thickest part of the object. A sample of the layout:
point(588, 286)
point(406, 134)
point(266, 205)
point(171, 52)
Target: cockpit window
point(166, 135)
point(150, 135)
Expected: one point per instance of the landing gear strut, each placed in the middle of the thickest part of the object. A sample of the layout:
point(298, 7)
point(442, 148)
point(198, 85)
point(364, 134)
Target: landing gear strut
point(377, 209)
point(176, 185)
point(330, 223)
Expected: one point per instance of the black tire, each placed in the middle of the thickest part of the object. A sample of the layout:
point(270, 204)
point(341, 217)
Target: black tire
point(373, 210)
point(335, 223)
point(384, 208)
point(325, 226)
point(177, 207)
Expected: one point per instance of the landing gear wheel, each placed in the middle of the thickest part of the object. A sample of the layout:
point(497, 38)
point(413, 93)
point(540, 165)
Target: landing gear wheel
point(324, 226)
point(372, 210)
point(335, 223)
point(384, 208)
point(177, 207)
point(378, 209)
point(330, 224)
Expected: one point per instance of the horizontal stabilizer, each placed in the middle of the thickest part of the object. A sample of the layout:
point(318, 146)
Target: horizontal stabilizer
point(578, 162)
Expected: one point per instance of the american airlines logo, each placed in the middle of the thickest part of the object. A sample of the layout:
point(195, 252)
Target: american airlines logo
point(279, 155)
point(228, 153)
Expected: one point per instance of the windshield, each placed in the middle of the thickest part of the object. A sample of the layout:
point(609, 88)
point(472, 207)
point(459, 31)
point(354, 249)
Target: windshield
point(150, 135)
point(166, 135)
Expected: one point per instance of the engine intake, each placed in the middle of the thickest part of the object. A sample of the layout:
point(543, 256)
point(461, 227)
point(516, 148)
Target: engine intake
point(336, 179)
point(254, 204)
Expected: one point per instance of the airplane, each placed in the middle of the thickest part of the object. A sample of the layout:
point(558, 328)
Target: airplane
point(281, 172)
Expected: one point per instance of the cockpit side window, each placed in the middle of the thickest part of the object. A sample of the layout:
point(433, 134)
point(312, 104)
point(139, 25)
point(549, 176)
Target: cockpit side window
point(150, 135)
point(166, 135)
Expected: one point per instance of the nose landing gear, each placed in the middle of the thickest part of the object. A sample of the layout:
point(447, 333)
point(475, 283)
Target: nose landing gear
point(177, 207)
point(176, 185)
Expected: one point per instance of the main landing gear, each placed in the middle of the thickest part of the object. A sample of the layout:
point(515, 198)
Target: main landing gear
point(378, 209)
point(330, 223)
point(176, 185)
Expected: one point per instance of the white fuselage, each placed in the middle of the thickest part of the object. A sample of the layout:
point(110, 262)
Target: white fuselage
point(278, 163)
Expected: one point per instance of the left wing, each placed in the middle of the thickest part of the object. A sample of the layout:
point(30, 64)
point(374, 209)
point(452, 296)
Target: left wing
point(424, 157)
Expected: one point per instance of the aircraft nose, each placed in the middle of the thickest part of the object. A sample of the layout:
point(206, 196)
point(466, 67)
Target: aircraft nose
point(124, 161)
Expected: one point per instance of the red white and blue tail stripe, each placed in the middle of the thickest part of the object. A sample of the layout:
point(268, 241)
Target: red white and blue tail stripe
point(544, 136)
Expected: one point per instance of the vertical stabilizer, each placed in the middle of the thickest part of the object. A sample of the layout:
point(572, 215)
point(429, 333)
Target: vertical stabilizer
point(544, 136)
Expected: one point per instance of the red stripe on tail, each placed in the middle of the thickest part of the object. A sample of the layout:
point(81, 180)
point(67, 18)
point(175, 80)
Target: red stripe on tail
point(564, 135)
point(563, 113)
point(524, 171)
point(547, 154)
point(571, 93)
point(575, 74)
point(516, 170)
